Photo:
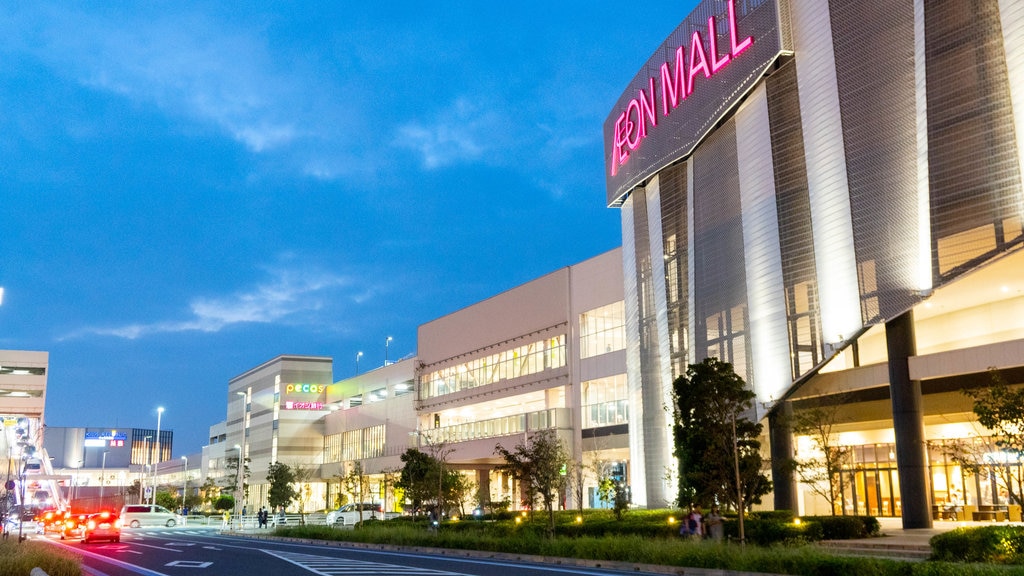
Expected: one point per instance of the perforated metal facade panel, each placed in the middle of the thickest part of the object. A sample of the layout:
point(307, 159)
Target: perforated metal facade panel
point(886, 146)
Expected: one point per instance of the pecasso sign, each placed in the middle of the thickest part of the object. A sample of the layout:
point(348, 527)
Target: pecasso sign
point(719, 52)
point(305, 388)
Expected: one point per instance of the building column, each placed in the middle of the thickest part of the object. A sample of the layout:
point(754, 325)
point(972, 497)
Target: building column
point(908, 423)
point(483, 483)
point(780, 437)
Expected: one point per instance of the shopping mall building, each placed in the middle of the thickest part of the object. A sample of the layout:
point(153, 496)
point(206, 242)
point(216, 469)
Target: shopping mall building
point(828, 195)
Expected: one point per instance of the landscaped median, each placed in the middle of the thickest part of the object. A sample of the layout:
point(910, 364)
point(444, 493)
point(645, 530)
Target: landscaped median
point(19, 559)
point(641, 537)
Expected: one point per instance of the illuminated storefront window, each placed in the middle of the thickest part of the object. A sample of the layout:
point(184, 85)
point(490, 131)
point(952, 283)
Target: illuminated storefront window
point(604, 402)
point(522, 361)
point(355, 444)
point(603, 330)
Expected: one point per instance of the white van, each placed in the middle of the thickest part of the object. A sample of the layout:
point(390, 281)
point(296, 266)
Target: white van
point(135, 515)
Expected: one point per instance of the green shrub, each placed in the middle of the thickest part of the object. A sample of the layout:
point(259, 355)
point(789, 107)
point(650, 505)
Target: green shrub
point(1001, 544)
point(774, 515)
point(767, 532)
point(845, 527)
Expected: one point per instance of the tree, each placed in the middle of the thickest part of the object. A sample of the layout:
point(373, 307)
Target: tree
point(714, 442)
point(444, 480)
point(459, 488)
point(210, 491)
point(537, 466)
point(134, 491)
point(282, 490)
point(224, 502)
point(358, 484)
point(822, 472)
point(575, 478)
point(388, 480)
point(418, 477)
point(166, 499)
point(1001, 409)
point(304, 475)
point(231, 480)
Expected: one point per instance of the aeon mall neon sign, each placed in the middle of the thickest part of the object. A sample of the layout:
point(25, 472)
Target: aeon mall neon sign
point(677, 83)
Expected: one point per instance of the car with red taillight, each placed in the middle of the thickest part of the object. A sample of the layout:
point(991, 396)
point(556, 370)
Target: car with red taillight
point(102, 526)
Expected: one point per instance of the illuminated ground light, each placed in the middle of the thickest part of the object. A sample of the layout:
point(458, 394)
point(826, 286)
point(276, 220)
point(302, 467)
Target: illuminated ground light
point(579, 519)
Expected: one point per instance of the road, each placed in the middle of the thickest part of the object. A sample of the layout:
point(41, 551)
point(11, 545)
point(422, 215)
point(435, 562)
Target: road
point(187, 551)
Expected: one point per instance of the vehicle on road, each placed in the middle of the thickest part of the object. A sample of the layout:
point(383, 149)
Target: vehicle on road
point(102, 526)
point(74, 526)
point(136, 515)
point(49, 521)
point(349, 514)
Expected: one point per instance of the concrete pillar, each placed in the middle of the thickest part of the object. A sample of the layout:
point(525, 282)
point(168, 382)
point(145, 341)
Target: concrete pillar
point(483, 482)
point(780, 436)
point(908, 423)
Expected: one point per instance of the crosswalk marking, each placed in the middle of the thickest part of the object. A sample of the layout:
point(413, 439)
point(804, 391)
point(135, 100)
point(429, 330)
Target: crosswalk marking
point(328, 566)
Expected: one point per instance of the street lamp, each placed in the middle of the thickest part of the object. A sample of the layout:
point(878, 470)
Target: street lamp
point(156, 457)
point(238, 478)
point(358, 356)
point(241, 451)
point(145, 469)
point(184, 485)
point(103, 474)
point(387, 341)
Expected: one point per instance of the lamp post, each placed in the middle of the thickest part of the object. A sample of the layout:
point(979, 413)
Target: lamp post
point(103, 474)
point(145, 469)
point(238, 478)
point(358, 356)
point(184, 484)
point(241, 451)
point(387, 341)
point(156, 457)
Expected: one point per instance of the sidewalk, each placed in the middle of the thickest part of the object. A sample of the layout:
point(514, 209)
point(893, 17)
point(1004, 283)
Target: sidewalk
point(897, 542)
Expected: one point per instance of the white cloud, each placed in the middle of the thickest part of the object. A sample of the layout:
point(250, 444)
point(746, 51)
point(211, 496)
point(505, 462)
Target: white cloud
point(202, 69)
point(286, 298)
point(461, 133)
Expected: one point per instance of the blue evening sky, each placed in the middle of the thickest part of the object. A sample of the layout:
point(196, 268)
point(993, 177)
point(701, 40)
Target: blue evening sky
point(190, 189)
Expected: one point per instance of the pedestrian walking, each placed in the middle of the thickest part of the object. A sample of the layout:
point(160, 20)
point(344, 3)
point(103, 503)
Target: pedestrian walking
point(715, 524)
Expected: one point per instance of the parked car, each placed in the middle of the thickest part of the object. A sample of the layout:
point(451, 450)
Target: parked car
point(102, 526)
point(136, 515)
point(349, 514)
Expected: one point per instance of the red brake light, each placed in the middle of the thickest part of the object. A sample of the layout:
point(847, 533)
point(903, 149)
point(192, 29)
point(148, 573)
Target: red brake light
point(92, 524)
point(105, 514)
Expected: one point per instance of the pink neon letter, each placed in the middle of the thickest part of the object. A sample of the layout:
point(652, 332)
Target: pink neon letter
point(736, 48)
point(672, 86)
point(696, 49)
point(647, 110)
point(619, 156)
point(634, 143)
point(716, 64)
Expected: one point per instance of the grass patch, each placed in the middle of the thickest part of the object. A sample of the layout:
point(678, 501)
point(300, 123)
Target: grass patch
point(19, 559)
point(654, 544)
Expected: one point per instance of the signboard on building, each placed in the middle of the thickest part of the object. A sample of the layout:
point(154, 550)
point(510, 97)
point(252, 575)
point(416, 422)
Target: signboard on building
point(694, 79)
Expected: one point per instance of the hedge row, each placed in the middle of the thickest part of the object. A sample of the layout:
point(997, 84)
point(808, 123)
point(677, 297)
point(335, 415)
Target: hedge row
point(995, 544)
